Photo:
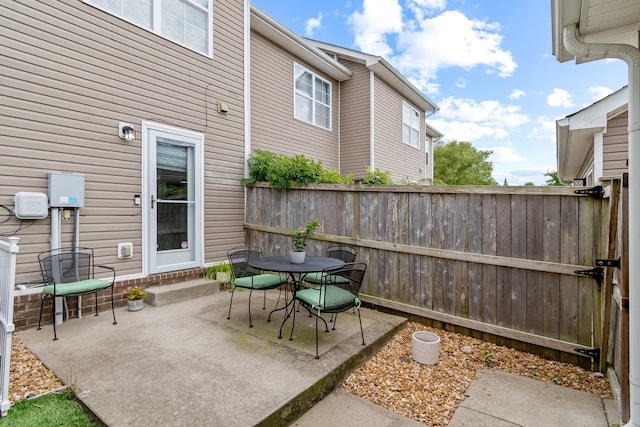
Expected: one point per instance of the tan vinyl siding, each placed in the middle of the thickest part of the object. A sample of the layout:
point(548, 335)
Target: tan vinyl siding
point(355, 125)
point(586, 171)
point(616, 147)
point(273, 126)
point(391, 154)
point(69, 74)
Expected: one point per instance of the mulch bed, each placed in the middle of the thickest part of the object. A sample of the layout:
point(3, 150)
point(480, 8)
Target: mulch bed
point(431, 393)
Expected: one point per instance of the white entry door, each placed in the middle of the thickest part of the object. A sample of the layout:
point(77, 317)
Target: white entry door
point(173, 190)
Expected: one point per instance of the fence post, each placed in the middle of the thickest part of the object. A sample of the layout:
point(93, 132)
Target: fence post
point(8, 253)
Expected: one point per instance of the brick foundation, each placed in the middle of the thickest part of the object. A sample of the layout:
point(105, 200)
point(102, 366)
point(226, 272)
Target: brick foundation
point(27, 307)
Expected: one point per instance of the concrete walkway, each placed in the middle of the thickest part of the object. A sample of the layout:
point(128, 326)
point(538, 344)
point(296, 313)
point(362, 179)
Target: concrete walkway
point(186, 364)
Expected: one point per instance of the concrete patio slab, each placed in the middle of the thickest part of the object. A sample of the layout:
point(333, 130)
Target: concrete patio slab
point(186, 364)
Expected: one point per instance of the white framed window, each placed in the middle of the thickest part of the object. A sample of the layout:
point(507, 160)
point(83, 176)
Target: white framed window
point(186, 22)
point(312, 98)
point(410, 125)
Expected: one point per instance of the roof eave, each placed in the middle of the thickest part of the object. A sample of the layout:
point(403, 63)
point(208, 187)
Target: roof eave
point(298, 46)
point(385, 71)
point(403, 86)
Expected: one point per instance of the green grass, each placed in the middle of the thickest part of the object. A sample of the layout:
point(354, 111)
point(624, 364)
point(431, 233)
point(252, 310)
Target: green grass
point(55, 409)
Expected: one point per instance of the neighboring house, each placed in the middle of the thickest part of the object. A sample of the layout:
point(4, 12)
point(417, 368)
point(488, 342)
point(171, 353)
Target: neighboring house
point(348, 109)
point(382, 118)
point(199, 86)
point(593, 142)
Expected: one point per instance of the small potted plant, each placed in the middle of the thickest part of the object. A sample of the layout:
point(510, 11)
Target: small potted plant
point(221, 273)
point(300, 238)
point(135, 298)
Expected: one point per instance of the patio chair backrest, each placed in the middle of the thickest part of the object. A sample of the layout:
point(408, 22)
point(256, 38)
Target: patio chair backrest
point(348, 276)
point(342, 252)
point(239, 260)
point(66, 265)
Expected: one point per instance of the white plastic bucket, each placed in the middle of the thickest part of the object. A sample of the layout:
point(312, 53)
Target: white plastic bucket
point(426, 347)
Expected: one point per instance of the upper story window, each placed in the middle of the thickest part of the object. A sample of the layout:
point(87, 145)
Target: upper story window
point(410, 125)
point(186, 22)
point(312, 101)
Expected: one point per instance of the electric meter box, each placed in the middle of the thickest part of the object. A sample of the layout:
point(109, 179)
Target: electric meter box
point(66, 190)
point(30, 205)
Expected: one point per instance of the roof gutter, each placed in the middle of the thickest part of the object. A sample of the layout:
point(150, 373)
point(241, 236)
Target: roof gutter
point(631, 56)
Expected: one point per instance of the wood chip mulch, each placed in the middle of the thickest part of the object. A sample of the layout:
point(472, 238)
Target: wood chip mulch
point(431, 393)
point(28, 377)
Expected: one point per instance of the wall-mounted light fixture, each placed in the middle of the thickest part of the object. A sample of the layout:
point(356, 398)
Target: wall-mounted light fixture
point(126, 131)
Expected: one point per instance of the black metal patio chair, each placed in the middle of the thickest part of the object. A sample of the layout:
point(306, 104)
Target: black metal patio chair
point(345, 253)
point(69, 272)
point(247, 277)
point(338, 292)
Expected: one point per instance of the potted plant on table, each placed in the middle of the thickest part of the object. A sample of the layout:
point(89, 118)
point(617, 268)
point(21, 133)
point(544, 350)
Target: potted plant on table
point(135, 298)
point(300, 238)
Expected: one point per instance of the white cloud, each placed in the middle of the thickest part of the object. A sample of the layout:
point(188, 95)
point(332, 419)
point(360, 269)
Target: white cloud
point(516, 94)
point(453, 40)
point(505, 154)
point(313, 24)
point(420, 8)
point(428, 42)
point(461, 83)
point(371, 26)
point(488, 112)
point(467, 131)
point(599, 92)
point(544, 130)
point(559, 98)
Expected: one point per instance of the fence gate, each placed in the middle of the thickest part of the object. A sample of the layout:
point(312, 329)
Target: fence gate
point(8, 251)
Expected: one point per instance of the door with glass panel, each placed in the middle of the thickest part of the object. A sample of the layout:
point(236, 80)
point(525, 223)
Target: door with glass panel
point(174, 177)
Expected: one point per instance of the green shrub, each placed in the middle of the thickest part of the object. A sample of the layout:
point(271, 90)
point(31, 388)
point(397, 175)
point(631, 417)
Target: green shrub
point(283, 172)
point(376, 177)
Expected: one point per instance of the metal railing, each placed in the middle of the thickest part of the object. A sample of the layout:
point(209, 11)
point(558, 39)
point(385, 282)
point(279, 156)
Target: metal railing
point(8, 251)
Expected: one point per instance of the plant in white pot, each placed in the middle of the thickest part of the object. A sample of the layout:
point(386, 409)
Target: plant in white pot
point(135, 298)
point(300, 238)
point(221, 273)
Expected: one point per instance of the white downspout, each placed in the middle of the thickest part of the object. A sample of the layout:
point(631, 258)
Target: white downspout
point(631, 56)
point(372, 112)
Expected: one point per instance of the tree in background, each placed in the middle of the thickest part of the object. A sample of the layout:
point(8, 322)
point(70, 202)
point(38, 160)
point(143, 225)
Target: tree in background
point(459, 163)
point(554, 180)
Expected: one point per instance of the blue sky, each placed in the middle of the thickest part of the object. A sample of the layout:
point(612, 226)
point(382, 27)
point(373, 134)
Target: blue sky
point(487, 64)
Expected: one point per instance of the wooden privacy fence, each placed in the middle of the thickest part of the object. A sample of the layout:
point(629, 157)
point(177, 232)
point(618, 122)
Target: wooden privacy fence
point(497, 260)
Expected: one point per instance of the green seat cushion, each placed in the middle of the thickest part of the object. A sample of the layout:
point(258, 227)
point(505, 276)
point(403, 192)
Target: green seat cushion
point(80, 287)
point(319, 278)
point(335, 297)
point(260, 281)
point(314, 277)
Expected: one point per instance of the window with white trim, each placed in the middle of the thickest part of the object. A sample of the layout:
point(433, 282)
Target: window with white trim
point(312, 98)
point(410, 125)
point(186, 22)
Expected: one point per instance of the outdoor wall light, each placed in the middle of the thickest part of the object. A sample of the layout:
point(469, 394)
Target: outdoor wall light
point(126, 131)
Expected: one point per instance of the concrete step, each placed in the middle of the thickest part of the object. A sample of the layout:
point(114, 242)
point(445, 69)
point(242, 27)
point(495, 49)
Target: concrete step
point(168, 294)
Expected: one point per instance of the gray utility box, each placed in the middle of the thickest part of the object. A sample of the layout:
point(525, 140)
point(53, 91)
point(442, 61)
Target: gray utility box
point(66, 190)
